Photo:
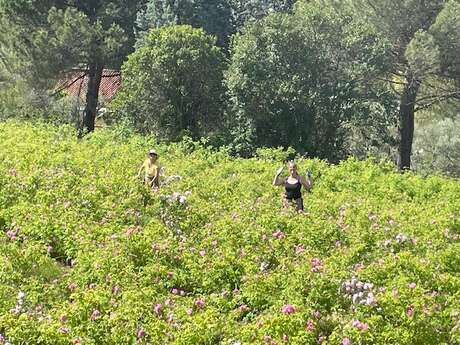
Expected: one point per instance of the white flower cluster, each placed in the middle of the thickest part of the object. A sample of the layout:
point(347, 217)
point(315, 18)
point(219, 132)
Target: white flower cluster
point(19, 308)
point(359, 292)
point(399, 240)
point(176, 197)
point(170, 179)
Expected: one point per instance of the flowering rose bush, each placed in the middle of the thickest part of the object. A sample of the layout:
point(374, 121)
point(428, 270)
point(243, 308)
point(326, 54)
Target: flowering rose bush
point(89, 255)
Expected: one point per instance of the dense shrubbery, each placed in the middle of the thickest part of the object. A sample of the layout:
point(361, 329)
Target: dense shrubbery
point(437, 147)
point(291, 84)
point(89, 256)
point(173, 84)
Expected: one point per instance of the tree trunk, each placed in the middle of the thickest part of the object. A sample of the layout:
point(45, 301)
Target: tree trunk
point(406, 123)
point(92, 96)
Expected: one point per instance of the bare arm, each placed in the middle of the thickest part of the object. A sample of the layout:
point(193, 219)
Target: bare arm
point(156, 179)
point(140, 170)
point(306, 182)
point(277, 181)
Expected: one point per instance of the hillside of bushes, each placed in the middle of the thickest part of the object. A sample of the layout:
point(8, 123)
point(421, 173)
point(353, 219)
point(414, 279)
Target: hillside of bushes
point(88, 255)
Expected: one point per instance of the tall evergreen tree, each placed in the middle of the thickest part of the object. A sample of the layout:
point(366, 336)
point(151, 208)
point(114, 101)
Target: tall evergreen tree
point(423, 38)
point(215, 17)
point(53, 37)
point(221, 18)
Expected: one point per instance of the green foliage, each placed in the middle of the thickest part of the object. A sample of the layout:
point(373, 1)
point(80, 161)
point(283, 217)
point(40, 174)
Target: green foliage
point(296, 80)
point(172, 85)
point(437, 147)
point(422, 59)
point(47, 39)
point(221, 18)
point(88, 254)
point(215, 17)
point(55, 38)
point(20, 101)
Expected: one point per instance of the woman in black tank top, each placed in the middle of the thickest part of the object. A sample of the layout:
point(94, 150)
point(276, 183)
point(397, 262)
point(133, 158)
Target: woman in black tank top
point(293, 185)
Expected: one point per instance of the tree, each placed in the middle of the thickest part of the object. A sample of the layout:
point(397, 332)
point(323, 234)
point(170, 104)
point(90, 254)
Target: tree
point(221, 18)
point(249, 10)
point(215, 17)
point(295, 80)
point(423, 38)
point(54, 37)
point(172, 84)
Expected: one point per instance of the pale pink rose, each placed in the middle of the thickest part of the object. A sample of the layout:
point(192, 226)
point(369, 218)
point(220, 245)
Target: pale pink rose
point(288, 309)
point(199, 303)
point(410, 311)
point(157, 308)
point(140, 333)
point(346, 341)
point(95, 314)
point(242, 308)
point(299, 249)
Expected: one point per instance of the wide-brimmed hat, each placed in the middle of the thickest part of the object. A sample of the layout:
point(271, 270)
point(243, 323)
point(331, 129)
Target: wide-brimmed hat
point(152, 152)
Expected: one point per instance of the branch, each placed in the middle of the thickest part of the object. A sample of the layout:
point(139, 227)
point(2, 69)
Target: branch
point(391, 81)
point(443, 96)
point(436, 99)
point(65, 86)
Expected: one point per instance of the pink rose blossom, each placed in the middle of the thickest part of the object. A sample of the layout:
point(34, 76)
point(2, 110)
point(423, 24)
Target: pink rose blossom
point(411, 285)
point(157, 308)
point(310, 325)
point(202, 252)
point(360, 325)
point(95, 314)
point(242, 308)
point(288, 309)
point(189, 311)
point(410, 311)
point(346, 341)
point(299, 249)
point(140, 333)
point(279, 234)
point(199, 303)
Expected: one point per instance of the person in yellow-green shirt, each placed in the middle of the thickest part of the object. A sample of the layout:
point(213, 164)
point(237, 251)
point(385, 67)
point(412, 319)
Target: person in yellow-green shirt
point(151, 169)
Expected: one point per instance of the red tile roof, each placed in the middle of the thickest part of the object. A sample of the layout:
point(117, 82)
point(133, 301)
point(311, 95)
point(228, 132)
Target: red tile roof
point(76, 84)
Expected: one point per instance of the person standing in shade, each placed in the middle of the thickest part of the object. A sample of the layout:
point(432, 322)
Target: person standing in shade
point(151, 170)
point(293, 185)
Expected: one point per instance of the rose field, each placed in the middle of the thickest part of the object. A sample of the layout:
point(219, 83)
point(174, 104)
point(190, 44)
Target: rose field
point(88, 255)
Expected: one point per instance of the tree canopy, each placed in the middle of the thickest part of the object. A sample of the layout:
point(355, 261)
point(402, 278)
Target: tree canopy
point(172, 84)
point(55, 37)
